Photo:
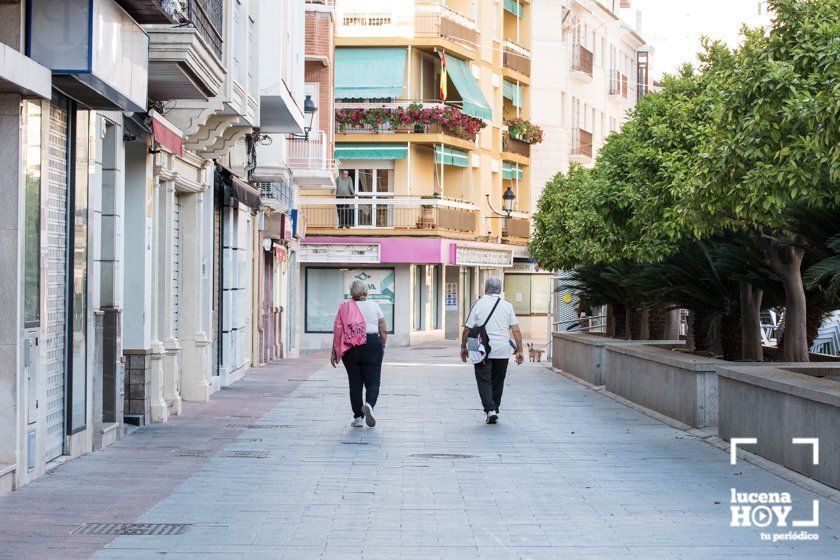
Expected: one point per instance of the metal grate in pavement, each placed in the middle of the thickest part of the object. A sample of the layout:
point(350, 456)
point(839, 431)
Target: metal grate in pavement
point(133, 529)
point(354, 443)
point(309, 396)
point(237, 439)
point(243, 454)
point(441, 456)
point(259, 426)
point(193, 453)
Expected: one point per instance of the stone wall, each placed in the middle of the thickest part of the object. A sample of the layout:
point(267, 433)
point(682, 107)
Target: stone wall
point(775, 405)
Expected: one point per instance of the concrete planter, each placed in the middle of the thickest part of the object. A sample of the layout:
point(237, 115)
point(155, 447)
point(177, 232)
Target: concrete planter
point(581, 354)
point(775, 403)
point(679, 385)
point(584, 355)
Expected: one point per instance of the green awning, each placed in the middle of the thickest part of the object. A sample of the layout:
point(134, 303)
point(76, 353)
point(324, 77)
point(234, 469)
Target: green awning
point(371, 151)
point(513, 92)
point(451, 156)
point(514, 7)
point(511, 170)
point(369, 73)
point(475, 104)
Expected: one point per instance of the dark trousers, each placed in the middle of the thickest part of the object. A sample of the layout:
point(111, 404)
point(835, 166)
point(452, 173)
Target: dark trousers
point(345, 214)
point(364, 368)
point(490, 377)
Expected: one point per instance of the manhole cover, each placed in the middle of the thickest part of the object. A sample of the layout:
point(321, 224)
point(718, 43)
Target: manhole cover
point(244, 454)
point(133, 529)
point(441, 456)
point(259, 426)
point(192, 453)
point(354, 443)
point(309, 396)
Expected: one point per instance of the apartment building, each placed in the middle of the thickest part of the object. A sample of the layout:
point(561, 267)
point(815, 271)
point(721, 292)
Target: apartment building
point(131, 234)
point(426, 93)
point(593, 67)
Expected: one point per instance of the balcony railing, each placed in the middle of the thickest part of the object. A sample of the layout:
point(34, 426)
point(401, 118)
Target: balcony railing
point(312, 155)
point(277, 195)
point(207, 16)
point(433, 19)
point(515, 145)
point(465, 127)
point(516, 57)
point(581, 143)
point(390, 212)
point(582, 59)
point(517, 227)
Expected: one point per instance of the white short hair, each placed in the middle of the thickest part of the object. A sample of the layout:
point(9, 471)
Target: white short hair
point(493, 285)
point(358, 289)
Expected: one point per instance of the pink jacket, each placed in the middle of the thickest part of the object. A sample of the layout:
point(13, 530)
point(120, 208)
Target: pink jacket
point(349, 328)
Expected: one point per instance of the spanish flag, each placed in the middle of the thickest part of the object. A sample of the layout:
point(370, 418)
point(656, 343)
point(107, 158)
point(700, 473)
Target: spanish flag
point(442, 87)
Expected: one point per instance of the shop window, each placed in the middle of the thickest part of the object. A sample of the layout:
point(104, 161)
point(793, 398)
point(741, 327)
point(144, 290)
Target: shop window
point(418, 298)
point(32, 240)
point(327, 288)
point(528, 293)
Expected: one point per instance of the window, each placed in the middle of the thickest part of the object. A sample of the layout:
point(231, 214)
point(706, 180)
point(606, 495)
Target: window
point(437, 295)
point(418, 298)
point(327, 288)
point(238, 67)
point(32, 240)
point(252, 82)
point(529, 293)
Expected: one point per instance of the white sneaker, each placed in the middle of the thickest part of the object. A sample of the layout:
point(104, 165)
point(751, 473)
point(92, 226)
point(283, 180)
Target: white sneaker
point(357, 423)
point(492, 417)
point(367, 410)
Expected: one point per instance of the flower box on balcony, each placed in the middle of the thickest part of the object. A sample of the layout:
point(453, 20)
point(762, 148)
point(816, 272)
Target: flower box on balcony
point(415, 117)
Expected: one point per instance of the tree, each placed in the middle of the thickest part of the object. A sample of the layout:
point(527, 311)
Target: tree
point(774, 143)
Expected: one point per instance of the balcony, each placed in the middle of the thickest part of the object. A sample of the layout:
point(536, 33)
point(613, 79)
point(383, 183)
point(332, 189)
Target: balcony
point(582, 63)
point(278, 196)
point(581, 146)
point(311, 161)
point(436, 20)
point(517, 228)
point(185, 62)
point(151, 11)
point(516, 146)
point(516, 57)
point(419, 216)
point(382, 122)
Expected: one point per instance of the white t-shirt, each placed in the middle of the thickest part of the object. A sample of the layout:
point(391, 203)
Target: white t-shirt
point(372, 313)
point(498, 328)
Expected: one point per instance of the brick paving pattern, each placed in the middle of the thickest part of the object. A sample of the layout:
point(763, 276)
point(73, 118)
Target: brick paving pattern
point(567, 473)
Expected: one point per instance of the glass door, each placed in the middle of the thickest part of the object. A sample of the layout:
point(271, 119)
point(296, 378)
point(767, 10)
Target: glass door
point(374, 192)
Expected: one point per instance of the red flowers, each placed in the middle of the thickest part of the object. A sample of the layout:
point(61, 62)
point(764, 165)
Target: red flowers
point(524, 130)
point(450, 119)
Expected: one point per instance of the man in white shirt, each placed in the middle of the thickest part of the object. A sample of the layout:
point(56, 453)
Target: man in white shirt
point(490, 374)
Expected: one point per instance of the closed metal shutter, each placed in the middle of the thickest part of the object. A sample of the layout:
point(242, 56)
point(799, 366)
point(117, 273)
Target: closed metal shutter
point(216, 297)
point(56, 271)
point(176, 265)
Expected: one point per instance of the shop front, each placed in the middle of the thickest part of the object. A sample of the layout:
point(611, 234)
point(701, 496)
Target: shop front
point(425, 286)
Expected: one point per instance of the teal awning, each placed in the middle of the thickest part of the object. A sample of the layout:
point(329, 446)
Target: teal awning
point(513, 92)
point(475, 104)
point(371, 151)
point(373, 73)
point(514, 7)
point(451, 156)
point(511, 170)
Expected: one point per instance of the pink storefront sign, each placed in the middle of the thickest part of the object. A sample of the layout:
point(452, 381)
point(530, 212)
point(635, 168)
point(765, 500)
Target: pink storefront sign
point(393, 250)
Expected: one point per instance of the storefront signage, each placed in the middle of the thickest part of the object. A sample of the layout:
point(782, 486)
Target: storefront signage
point(360, 253)
point(380, 283)
point(479, 256)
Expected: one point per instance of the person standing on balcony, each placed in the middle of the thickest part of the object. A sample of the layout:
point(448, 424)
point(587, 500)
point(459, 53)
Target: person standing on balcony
point(344, 189)
point(359, 336)
point(498, 319)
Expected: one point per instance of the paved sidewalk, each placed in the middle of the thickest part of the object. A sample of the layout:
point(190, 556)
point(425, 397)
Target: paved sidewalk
point(568, 473)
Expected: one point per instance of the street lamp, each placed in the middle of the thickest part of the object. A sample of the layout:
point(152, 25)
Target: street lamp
point(507, 203)
point(309, 109)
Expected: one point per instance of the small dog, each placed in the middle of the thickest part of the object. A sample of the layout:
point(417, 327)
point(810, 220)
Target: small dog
point(534, 354)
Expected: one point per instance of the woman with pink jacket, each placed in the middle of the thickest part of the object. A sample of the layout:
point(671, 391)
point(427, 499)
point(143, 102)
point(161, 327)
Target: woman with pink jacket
point(359, 335)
